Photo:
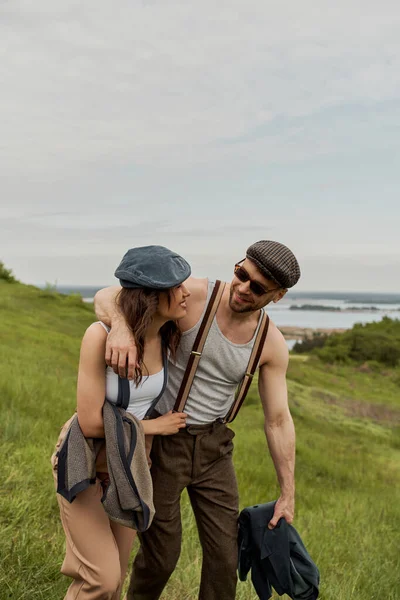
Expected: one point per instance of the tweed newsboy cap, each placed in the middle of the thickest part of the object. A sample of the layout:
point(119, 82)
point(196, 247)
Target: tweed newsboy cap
point(275, 261)
point(153, 267)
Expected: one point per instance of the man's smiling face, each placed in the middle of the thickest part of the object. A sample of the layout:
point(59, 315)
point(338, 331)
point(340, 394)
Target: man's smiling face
point(242, 299)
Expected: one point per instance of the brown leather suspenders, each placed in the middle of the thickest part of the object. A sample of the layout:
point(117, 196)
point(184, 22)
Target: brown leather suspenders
point(198, 346)
point(197, 349)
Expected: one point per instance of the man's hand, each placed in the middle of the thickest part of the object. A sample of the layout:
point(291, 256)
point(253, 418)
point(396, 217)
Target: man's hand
point(121, 350)
point(284, 507)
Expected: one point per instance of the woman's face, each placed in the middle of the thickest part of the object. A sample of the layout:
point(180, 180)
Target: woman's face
point(172, 303)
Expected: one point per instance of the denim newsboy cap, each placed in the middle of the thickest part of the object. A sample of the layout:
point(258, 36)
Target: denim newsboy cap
point(153, 267)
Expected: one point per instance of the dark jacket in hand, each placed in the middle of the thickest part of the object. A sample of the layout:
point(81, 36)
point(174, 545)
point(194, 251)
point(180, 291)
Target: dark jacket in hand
point(277, 557)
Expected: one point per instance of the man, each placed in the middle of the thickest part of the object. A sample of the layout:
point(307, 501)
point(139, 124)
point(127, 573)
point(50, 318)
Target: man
point(199, 457)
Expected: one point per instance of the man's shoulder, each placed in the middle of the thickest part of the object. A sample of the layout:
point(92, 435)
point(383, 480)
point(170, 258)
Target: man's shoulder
point(197, 286)
point(195, 302)
point(275, 349)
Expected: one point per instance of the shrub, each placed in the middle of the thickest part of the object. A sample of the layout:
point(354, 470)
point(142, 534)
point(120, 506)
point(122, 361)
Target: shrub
point(317, 340)
point(7, 274)
point(378, 341)
point(333, 354)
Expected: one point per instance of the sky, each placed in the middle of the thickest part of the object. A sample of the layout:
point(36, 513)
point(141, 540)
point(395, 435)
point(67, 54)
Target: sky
point(203, 127)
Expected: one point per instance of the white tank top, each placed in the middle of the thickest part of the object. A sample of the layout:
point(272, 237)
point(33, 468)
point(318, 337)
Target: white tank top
point(141, 397)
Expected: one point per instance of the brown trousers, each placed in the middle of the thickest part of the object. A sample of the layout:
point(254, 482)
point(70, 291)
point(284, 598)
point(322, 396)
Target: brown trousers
point(97, 549)
point(198, 458)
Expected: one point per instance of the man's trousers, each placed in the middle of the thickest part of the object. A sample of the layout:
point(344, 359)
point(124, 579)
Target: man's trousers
point(198, 458)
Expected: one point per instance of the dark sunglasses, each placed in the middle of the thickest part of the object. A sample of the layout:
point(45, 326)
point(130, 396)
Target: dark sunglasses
point(255, 287)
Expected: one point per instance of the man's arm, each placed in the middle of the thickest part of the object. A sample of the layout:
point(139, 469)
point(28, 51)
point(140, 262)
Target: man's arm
point(105, 305)
point(279, 428)
point(120, 346)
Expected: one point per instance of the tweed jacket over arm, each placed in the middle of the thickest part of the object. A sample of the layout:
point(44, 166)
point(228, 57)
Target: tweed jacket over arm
point(128, 498)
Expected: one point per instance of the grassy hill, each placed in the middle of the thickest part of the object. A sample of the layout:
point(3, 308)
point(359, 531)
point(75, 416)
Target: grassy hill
point(348, 455)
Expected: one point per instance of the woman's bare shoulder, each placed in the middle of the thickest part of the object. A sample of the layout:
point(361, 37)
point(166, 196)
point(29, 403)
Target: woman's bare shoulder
point(94, 338)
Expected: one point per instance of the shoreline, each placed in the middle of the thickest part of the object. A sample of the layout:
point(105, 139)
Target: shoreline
point(300, 333)
point(336, 309)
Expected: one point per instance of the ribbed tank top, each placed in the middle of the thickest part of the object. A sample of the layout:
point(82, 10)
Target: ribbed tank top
point(220, 370)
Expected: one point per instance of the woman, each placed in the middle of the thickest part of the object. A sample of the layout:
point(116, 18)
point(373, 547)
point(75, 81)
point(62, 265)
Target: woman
point(152, 298)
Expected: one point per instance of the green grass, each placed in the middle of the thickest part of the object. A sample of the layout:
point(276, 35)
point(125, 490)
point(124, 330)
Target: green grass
point(348, 456)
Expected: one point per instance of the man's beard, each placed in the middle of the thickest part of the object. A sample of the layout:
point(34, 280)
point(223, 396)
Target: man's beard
point(239, 309)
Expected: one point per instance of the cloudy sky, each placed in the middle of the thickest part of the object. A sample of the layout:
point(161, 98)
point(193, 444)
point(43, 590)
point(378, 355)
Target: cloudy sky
point(202, 127)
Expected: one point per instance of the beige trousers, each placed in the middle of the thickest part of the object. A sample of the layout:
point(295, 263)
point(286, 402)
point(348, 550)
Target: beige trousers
point(97, 549)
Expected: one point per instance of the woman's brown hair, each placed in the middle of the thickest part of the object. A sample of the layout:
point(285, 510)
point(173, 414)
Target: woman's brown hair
point(139, 307)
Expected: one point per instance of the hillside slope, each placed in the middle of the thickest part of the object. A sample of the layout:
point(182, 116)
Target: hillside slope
point(348, 456)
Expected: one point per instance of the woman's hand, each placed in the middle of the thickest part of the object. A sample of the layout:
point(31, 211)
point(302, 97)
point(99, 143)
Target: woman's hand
point(167, 424)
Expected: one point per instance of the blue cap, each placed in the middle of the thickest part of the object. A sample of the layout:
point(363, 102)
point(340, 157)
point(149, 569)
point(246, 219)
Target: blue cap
point(153, 267)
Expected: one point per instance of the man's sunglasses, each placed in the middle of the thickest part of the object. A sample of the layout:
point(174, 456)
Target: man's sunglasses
point(255, 287)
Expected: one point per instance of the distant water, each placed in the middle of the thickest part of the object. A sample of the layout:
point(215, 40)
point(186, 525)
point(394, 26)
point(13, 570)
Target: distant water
point(347, 309)
point(281, 313)
point(369, 298)
point(87, 292)
point(315, 319)
point(291, 343)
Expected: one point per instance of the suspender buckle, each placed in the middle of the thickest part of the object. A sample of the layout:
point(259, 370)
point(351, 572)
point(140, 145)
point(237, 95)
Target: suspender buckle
point(251, 375)
point(195, 353)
